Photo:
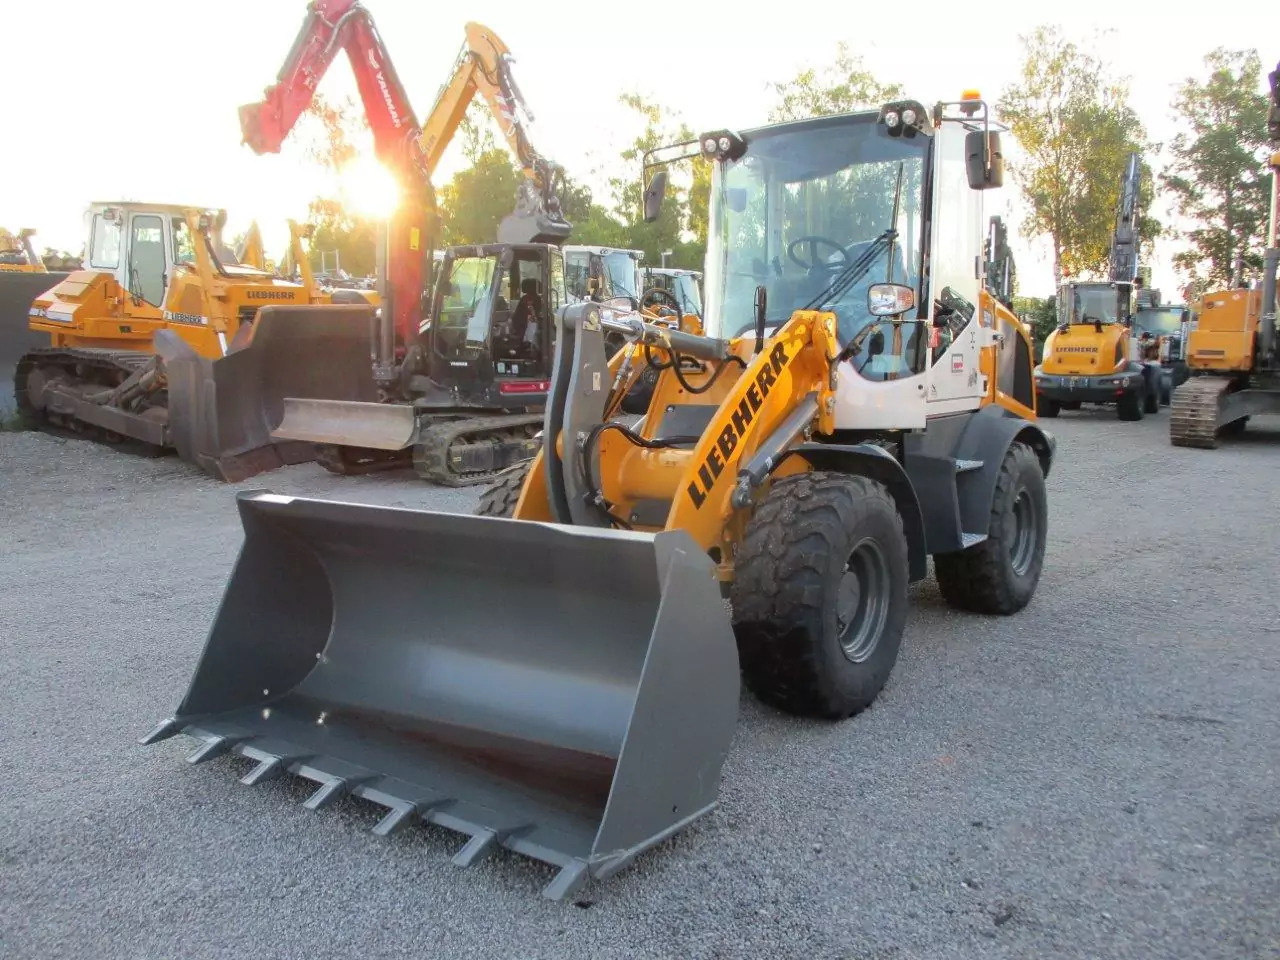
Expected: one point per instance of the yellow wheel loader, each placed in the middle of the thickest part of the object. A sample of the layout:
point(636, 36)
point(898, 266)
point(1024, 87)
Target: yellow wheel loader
point(559, 675)
point(1233, 353)
point(161, 340)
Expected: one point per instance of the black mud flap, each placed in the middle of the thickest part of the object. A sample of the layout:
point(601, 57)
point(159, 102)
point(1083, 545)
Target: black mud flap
point(567, 693)
point(222, 412)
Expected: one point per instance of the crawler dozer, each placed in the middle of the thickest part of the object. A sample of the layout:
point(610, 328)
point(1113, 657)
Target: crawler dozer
point(1234, 352)
point(19, 256)
point(160, 342)
point(558, 675)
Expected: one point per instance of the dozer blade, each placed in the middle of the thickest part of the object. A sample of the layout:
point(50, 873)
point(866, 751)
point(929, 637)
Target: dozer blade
point(567, 693)
point(222, 412)
point(348, 423)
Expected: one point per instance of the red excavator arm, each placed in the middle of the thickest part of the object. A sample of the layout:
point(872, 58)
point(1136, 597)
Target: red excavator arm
point(410, 150)
point(331, 25)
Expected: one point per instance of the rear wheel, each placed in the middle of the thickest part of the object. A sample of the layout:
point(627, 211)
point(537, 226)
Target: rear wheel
point(820, 594)
point(1000, 574)
point(1129, 406)
point(1151, 398)
point(1047, 408)
point(500, 499)
point(1070, 404)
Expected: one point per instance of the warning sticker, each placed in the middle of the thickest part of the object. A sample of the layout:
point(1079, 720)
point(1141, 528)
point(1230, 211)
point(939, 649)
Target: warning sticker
point(957, 363)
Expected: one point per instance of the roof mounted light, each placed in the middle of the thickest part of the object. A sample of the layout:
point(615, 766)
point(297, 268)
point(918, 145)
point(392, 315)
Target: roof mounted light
point(970, 102)
point(722, 145)
point(903, 118)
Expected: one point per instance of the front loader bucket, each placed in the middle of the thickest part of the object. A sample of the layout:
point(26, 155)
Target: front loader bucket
point(222, 412)
point(568, 693)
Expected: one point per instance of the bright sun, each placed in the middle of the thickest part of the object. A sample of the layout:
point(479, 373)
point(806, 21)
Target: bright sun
point(368, 189)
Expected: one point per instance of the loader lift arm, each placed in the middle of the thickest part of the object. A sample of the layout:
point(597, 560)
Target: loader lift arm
point(409, 149)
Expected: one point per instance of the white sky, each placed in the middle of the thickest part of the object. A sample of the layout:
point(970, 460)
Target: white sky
point(143, 94)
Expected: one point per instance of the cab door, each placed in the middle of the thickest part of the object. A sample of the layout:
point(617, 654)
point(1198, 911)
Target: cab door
point(147, 261)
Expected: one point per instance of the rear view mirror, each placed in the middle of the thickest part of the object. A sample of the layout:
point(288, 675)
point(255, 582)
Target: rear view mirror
point(984, 160)
point(654, 194)
point(890, 299)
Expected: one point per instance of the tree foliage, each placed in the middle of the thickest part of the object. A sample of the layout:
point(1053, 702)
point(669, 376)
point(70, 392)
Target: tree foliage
point(1218, 176)
point(1076, 127)
point(844, 86)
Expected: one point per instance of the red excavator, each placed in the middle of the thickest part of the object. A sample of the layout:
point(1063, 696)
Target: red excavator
point(458, 376)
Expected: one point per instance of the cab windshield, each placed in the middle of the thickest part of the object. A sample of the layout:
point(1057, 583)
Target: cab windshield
point(808, 213)
point(620, 271)
point(1160, 322)
point(1098, 304)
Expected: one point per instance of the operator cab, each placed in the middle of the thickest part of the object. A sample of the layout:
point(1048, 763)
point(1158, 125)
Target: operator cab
point(1095, 304)
point(603, 274)
point(494, 308)
point(684, 286)
point(139, 244)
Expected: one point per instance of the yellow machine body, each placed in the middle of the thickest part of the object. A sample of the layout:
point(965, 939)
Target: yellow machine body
point(1223, 340)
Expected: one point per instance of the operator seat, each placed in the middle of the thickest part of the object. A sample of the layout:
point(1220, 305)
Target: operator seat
point(529, 307)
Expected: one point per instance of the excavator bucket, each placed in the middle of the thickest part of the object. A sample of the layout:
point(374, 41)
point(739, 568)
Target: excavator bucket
point(568, 693)
point(222, 412)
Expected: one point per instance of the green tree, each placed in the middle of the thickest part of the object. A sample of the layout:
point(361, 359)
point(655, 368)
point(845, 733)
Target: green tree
point(842, 87)
point(682, 225)
point(475, 200)
point(1218, 176)
point(1076, 127)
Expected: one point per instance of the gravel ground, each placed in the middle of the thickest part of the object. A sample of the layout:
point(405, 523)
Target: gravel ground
point(1095, 777)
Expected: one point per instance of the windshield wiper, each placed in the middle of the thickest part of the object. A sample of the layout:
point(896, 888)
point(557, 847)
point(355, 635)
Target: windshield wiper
point(854, 272)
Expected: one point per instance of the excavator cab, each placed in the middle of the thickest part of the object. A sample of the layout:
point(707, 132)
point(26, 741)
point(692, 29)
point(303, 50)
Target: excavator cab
point(491, 329)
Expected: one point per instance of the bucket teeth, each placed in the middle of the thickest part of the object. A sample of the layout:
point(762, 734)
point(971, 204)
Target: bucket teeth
point(331, 790)
point(568, 881)
point(477, 848)
point(214, 747)
point(268, 768)
point(163, 731)
point(402, 811)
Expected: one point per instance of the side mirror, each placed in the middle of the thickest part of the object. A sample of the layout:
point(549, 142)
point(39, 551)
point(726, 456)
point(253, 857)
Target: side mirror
point(984, 160)
point(654, 194)
point(890, 299)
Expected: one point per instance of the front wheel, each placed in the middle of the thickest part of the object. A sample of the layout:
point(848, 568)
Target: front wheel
point(1129, 406)
point(1151, 398)
point(1000, 574)
point(500, 498)
point(820, 594)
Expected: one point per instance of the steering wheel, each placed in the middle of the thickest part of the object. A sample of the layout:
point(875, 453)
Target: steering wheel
point(813, 242)
point(661, 295)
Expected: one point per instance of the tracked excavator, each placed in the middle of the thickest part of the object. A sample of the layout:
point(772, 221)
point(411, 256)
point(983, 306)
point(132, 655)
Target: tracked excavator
point(157, 343)
point(21, 256)
point(458, 374)
point(1094, 355)
point(1233, 353)
point(559, 675)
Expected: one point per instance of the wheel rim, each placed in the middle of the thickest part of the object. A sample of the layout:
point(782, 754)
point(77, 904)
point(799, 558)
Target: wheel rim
point(1022, 546)
point(863, 604)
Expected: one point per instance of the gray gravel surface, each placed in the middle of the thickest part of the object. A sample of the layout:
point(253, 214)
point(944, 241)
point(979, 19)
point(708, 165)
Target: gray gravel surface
point(1095, 777)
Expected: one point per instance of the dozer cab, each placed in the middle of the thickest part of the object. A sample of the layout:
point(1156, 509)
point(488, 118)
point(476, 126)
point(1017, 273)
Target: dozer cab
point(1233, 353)
point(160, 342)
point(18, 255)
point(1161, 330)
point(558, 675)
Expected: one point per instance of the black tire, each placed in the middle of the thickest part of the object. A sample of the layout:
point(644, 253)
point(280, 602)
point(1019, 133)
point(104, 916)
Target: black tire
point(1071, 404)
point(1130, 405)
point(500, 497)
point(1151, 398)
point(1000, 574)
point(1047, 408)
point(1166, 393)
point(810, 530)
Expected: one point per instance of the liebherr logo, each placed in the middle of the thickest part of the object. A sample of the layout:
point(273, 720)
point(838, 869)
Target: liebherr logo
point(268, 295)
point(739, 421)
point(1075, 349)
point(386, 90)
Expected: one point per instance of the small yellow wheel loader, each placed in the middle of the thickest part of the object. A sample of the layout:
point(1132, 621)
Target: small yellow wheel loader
point(559, 675)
